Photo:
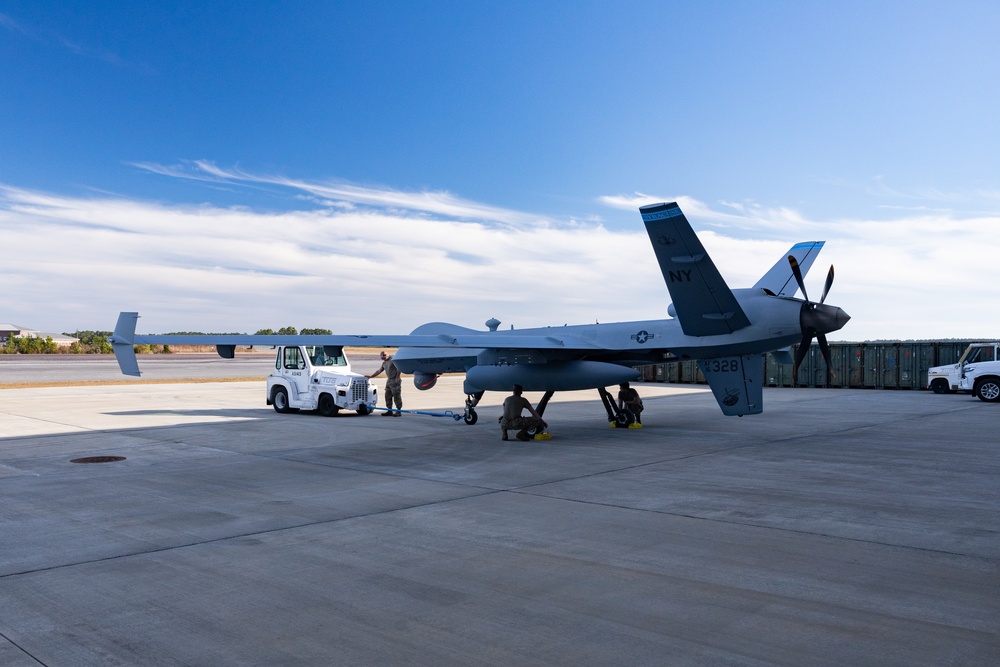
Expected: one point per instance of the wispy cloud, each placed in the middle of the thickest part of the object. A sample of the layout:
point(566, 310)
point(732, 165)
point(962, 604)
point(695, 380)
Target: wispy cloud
point(10, 24)
point(345, 195)
point(48, 37)
point(362, 259)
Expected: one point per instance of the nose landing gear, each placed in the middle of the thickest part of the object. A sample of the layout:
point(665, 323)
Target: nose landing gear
point(471, 401)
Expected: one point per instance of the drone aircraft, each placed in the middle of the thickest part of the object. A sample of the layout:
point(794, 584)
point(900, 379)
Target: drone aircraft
point(728, 331)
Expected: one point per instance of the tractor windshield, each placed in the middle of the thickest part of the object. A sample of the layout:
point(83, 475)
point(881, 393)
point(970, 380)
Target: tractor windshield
point(326, 355)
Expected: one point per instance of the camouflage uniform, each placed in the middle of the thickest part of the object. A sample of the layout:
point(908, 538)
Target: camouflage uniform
point(393, 383)
point(512, 419)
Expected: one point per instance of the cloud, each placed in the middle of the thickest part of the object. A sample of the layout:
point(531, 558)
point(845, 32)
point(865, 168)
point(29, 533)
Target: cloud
point(74, 262)
point(346, 195)
point(46, 37)
point(363, 259)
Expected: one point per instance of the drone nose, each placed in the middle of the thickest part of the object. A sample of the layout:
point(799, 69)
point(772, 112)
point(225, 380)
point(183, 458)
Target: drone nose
point(823, 319)
point(840, 319)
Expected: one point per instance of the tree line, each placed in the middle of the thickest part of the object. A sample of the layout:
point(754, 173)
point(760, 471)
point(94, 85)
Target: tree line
point(96, 342)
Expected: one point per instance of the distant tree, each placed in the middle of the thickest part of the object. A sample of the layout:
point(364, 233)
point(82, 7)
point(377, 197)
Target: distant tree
point(90, 342)
point(316, 332)
point(29, 345)
point(264, 332)
point(151, 349)
point(288, 331)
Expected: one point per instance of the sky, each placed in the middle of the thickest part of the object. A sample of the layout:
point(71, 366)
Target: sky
point(369, 167)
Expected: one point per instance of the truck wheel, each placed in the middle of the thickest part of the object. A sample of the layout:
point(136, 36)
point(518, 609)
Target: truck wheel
point(280, 401)
point(940, 386)
point(988, 389)
point(327, 406)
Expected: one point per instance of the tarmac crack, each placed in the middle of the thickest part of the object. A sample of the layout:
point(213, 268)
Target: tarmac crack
point(20, 648)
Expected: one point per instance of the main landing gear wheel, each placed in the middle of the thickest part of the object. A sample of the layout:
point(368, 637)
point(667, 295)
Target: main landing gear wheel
point(621, 420)
point(471, 417)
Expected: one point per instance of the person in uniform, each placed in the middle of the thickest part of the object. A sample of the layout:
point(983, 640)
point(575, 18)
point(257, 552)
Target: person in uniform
point(513, 406)
point(393, 385)
point(630, 403)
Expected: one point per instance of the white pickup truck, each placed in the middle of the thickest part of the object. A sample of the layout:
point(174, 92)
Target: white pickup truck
point(982, 378)
point(318, 377)
point(947, 379)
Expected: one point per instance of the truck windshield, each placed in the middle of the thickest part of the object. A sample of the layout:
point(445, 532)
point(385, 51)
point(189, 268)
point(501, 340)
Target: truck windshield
point(979, 353)
point(326, 355)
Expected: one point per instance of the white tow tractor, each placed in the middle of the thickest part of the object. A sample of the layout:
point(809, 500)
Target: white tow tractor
point(318, 377)
point(948, 379)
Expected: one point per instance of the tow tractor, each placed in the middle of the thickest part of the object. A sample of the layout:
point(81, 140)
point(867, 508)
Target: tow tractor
point(317, 377)
point(948, 379)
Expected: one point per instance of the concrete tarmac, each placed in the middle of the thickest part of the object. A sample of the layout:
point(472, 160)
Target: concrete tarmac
point(840, 527)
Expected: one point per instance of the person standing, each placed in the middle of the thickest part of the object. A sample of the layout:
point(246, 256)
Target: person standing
point(393, 385)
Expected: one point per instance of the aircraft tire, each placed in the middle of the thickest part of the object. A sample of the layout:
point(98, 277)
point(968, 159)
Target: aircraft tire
point(363, 410)
point(471, 418)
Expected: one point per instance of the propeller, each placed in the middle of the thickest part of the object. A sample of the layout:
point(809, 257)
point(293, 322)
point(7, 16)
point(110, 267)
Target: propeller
point(817, 320)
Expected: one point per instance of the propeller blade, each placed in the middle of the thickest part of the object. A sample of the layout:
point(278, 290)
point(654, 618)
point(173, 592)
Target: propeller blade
point(824, 349)
point(800, 354)
point(829, 282)
point(797, 272)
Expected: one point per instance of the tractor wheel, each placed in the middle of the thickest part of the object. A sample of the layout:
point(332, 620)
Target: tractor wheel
point(327, 406)
point(280, 401)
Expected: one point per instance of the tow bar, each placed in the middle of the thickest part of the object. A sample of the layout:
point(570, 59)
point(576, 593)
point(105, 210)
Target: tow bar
point(448, 413)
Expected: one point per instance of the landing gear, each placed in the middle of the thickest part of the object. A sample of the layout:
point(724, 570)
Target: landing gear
point(617, 418)
point(614, 414)
point(532, 432)
point(471, 401)
point(542, 403)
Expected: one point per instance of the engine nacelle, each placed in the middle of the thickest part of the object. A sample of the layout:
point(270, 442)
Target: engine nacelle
point(556, 376)
point(424, 381)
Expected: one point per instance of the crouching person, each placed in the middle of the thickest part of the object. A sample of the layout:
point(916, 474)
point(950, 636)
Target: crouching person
point(631, 404)
point(513, 406)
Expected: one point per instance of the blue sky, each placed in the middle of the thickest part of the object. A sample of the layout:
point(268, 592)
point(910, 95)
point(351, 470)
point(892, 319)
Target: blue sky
point(367, 167)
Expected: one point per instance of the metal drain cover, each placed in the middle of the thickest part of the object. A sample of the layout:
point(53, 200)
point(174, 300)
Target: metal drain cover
point(98, 459)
